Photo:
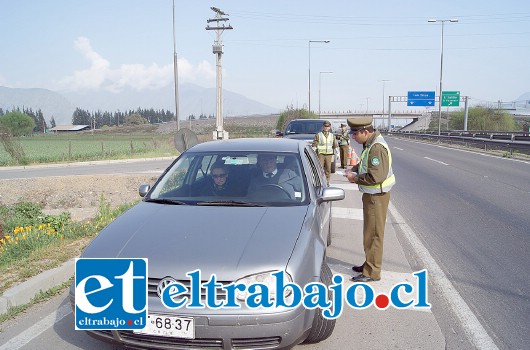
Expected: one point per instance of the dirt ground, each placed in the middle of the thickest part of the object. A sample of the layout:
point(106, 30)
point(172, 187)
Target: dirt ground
point(79, 195)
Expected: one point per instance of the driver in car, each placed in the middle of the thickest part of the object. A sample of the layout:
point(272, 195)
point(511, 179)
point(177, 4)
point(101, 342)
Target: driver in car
point(269, 176)
point(219, 184)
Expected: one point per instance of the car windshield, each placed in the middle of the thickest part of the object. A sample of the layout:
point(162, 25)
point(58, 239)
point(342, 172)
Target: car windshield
point(304, 127)
point(233, 179)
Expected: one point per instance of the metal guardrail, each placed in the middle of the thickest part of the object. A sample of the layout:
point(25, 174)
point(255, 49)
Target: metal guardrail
point(512, 142)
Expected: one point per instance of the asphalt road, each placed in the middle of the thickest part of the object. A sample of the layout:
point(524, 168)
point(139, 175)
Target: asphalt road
point(471, 211)
point(49, 325)
point(128, 166)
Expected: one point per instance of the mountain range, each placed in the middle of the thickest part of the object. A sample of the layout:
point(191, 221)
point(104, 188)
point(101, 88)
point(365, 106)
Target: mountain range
point(193, 99)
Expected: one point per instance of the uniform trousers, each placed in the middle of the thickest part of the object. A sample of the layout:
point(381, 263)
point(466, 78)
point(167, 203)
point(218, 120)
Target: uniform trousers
point(344, 149)
point(325, 160)
point(375, 207)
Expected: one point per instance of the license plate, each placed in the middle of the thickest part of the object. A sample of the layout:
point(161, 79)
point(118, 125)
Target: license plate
point(169, 326)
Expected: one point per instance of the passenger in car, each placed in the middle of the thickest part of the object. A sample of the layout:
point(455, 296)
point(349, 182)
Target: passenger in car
point(219, 182)
point(268, 174)
point(289, 163)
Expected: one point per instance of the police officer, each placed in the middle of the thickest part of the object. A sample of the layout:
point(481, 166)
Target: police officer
point(344, 145)
point(375, 178)
point(325, 144)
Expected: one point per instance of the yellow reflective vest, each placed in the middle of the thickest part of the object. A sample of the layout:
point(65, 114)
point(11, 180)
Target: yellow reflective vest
point(363, 169)
point(325, 144)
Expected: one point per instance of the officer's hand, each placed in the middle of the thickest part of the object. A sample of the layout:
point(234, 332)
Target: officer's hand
point(352, 177)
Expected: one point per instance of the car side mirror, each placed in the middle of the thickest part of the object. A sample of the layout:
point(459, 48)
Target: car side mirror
point(143, 189)
point(330, 194)
point(278, 133)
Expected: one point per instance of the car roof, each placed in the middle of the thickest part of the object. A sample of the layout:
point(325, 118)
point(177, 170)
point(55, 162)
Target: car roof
point(248, 144)
point(308, 120)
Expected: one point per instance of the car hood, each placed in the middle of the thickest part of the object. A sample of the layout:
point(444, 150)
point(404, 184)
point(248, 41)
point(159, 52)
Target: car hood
point(231, 242)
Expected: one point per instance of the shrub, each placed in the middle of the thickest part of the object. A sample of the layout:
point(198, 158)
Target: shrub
point(27, 214)
point(24, 240)
point(291, 113)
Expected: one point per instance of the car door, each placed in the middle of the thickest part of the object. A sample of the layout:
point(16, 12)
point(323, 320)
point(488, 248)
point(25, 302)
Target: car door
point(317, 179)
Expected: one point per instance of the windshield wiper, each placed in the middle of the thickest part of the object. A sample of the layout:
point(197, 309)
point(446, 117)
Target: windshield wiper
point(165, 201)
point(231, 203)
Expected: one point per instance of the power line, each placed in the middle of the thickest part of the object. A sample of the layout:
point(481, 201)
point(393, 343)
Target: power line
point(358, 37)
point(261, 43)
point(379, 21)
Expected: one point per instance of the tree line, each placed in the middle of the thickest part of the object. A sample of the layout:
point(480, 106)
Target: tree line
point(39, 124)
point(25, 121)
point(99, 119)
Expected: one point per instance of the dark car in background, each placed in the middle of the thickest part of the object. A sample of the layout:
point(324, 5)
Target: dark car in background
point(240, 237)
point(305, 129)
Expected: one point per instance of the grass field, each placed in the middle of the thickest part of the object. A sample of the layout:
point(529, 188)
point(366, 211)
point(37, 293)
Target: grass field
point(84, 147)
point(125, 141)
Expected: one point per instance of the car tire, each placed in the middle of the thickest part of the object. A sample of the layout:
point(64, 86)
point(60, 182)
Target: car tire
point(322, 328)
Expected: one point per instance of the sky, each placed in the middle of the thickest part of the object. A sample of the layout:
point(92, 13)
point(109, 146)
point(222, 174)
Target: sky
point(66, 45)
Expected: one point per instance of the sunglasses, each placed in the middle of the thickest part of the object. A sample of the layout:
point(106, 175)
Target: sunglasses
point(217, 176)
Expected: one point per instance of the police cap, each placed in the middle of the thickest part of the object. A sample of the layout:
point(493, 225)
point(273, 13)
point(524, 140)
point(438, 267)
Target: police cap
point(360, 122)
point(326, 123)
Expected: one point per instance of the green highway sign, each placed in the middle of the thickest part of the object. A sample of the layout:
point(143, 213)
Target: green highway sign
point(450, 98)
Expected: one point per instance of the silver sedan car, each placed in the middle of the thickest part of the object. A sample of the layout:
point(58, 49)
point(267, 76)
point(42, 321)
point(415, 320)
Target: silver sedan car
point(237, 209)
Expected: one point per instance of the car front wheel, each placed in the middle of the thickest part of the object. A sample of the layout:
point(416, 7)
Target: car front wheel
point(322, 328)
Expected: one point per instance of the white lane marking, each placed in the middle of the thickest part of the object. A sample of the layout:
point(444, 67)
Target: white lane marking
point(469, 151)
point(401, 149)
point(38, 328)
point(345, 186)
point(155, 172)
point(478, 335)
point(437, 161)
point(158, 172)
point(346, 213)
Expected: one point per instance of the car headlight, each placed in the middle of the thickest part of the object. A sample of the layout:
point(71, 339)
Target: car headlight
point(265, 278)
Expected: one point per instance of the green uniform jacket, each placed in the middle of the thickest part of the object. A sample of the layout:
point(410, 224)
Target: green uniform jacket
point(376, 174)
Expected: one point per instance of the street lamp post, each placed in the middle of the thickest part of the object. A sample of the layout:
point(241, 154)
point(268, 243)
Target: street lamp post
point(442, 21)
point(319, 83)
point(383, 114)
point(175, 73)
point(309, 87)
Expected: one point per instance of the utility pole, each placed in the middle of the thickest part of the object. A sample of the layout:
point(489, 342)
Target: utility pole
point(383, 114)
point(175, 73)
point(466, 113)
point(217, 48)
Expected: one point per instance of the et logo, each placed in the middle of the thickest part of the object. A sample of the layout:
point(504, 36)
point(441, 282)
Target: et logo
point(110, 294)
